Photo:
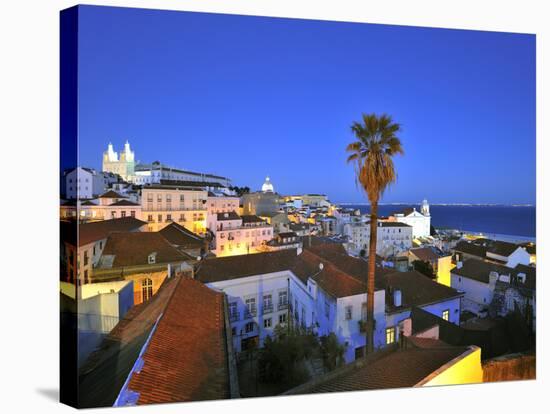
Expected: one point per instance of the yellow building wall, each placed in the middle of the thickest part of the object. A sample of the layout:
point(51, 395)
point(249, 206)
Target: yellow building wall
point(156, 277)
point(444, 267)
point(468, 370)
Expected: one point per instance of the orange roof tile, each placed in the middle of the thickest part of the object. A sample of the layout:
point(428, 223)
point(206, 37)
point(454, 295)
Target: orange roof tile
point(186, 358)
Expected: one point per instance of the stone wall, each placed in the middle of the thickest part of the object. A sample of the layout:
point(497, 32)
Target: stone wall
point(511, 367)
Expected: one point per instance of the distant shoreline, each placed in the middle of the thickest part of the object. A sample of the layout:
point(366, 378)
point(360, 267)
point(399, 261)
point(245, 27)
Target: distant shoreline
point(441, 204)
point(496, 236)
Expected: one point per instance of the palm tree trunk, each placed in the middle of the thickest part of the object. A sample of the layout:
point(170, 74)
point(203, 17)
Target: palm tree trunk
point(371, 275)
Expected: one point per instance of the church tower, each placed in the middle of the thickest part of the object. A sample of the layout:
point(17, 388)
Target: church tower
point(425, 209)
point(123, 166)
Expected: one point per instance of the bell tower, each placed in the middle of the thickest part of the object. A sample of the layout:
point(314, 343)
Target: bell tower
point(425, 208)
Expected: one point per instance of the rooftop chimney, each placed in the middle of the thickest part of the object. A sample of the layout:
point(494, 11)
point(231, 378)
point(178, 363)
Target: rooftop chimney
point(397, 297)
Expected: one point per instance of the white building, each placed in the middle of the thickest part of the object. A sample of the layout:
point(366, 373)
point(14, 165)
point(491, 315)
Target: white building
point(237, 235)
point(324, 290)
point(156, 173)
point(219, 203)
point(392, 237)
point(86, 183)
point(496, 251)
point(480, 280)
point(162, 205)
point(420, 221)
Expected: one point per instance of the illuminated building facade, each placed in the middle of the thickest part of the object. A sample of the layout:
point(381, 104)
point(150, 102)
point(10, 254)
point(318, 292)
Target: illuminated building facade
point(162, 205)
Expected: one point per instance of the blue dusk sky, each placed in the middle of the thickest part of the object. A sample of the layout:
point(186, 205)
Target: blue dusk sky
point(247, 97)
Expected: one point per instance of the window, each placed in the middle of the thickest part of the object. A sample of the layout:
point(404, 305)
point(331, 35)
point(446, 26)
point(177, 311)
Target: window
point(133, 214)
point(267, 323)
point(251, 306)
point(348, 312)
point(168, 217)
point(233, 331)
point(390, 335)
point(123, 214)
point(445, 314)
point(152, 258)
point(159, 218)
point(283, 299)
point(85, 257)
point(150, 217)
point(249, 327)
point(233, 315)
point(268, 303)
point(146, 289)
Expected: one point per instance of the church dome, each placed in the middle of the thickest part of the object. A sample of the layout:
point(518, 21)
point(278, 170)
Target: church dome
point(267, 187)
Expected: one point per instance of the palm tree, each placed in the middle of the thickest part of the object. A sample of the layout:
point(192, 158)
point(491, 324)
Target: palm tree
point(371, 154)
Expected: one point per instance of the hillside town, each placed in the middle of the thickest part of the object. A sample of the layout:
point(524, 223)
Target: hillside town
point(182, 286)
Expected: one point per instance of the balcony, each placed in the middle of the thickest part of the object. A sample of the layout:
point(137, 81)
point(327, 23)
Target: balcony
point(268, 308)
point(170, 208)
point(250, 313)
point(282, 306)
point(234, 317)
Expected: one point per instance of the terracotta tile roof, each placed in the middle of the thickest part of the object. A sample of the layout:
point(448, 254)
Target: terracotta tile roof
point(397, 369)
point(186, 358)
point(471, 248)
point(104, 372)
point(479, 270)
point(133, 249)
point(234, 267)
point(181, 237)
point(417, 289)
point(124, 203)
point(390, 224)
point(252, 218)
point(228, 216)
point(425, 254)
point(112, 194)
point(353, 266)
point(91, 232)
point(502, 248)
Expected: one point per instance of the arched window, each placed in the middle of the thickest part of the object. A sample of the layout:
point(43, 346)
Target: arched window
point(146, 289)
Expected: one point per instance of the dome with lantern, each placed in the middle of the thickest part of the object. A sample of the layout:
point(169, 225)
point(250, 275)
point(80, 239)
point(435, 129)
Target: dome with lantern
point(267, 187)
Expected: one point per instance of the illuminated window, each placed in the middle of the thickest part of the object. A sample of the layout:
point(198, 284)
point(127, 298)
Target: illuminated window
point(445, 314)
point(390, 335)
point(146, 289)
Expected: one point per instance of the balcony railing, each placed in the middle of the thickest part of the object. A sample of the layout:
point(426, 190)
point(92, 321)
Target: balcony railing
point(268, 308)
point(250, 313)
point(282, 306)
point(176, 209)
point(234, 317)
